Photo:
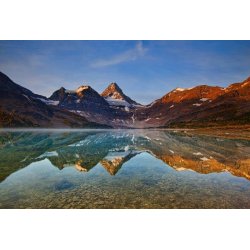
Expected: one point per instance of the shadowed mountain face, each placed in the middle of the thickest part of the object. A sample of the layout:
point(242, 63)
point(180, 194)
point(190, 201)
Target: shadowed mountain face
point(201, 106)
point(85, 150)
point(112, 107)
point(84, 102)
point(19, 107)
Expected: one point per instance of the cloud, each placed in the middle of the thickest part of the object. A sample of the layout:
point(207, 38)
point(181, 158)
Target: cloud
point(129, 55)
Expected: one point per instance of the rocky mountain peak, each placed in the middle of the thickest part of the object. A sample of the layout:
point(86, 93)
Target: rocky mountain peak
point(114, 85)
point(114, 92)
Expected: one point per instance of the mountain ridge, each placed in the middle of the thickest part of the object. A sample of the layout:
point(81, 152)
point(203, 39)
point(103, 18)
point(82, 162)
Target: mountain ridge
point(202, 105)
point(20, 107)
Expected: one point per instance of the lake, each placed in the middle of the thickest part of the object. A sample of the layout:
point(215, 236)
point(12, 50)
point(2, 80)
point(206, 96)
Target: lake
point(123, 169)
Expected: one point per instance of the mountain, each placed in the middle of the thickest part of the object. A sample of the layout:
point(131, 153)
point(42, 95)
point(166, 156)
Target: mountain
point(19, 107)
point(84, 97)
point(115, 96)
point(84, 101)
point(87, 103)
point(201, 106)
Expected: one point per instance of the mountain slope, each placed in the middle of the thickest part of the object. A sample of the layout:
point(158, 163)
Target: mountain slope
point(200, 106)
point(19, 107)
point(83, 99)
point(86, 102)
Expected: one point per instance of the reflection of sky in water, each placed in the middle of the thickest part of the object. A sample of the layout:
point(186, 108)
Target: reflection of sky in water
point(141, 169)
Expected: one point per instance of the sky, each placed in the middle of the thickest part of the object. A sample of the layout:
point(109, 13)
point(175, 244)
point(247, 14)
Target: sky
point(145, 70)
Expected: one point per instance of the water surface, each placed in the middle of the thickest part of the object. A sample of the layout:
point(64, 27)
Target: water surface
point(122, 169)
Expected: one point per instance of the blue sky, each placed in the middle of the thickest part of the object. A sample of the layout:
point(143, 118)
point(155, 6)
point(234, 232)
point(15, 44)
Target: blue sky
point(145, 70)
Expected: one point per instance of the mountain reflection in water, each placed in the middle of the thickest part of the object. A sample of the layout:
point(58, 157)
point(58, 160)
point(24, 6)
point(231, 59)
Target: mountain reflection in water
point(98, 151)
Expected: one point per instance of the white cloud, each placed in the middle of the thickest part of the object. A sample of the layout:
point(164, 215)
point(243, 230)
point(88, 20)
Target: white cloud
point(129, 55)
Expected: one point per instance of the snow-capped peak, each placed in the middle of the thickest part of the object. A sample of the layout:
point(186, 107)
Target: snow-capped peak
point(113, 91)
point(81, 88)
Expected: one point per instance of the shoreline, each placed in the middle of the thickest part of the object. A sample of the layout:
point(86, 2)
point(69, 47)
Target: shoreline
point(229, 132)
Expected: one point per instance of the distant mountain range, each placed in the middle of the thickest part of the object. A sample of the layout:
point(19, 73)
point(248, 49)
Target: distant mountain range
point(200, 106)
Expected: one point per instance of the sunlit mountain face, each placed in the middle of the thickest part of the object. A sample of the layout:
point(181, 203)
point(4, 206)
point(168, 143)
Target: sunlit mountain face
point(124, 169)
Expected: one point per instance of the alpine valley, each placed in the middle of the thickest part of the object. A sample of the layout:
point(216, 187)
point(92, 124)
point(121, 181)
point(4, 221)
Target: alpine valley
point(200, 106)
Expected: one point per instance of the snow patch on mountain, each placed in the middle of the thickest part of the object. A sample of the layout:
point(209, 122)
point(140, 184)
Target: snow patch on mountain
point(27, 97)
point(179, 89)
point(182, 89)
point(133, 118)
point(204, 159)
point(116, 95)
point(81, 88)
point(79, 112)
point(49, 102)
point(204, 99)
point(117, 102)
point(198, 153)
